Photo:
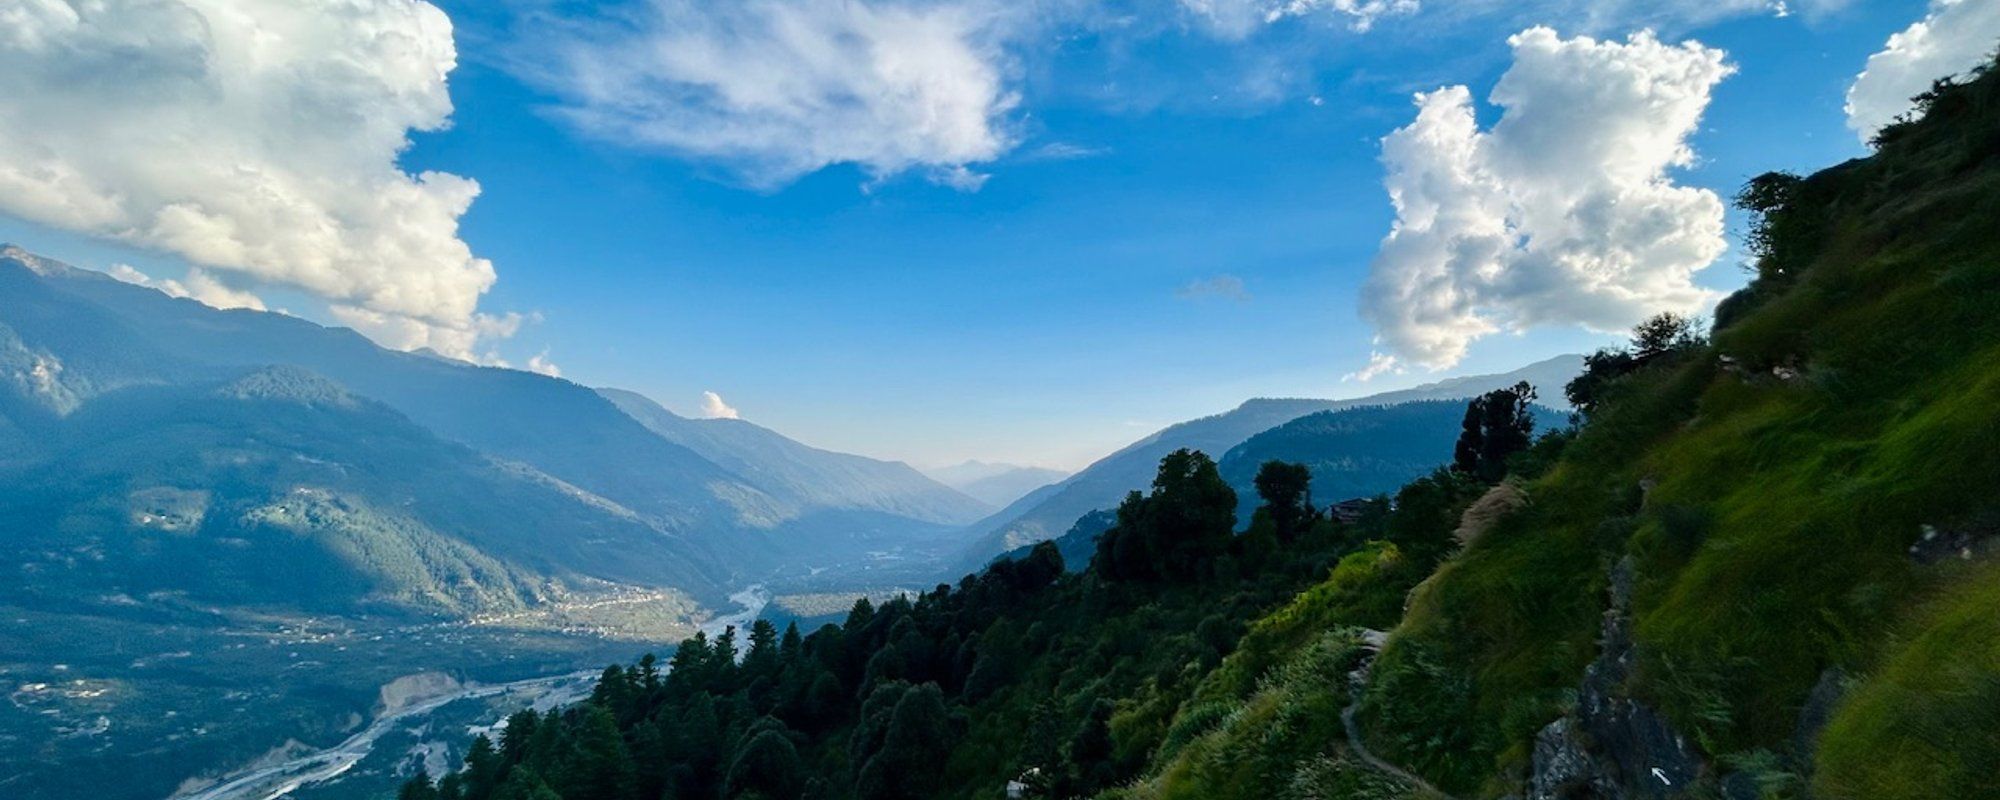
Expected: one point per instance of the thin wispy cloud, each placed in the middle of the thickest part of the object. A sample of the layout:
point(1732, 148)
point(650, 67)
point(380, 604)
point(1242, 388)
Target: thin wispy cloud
point(775, 89)
point(1379, 364)
point(1063, 151)
point(1220, 287)
point(772, 90)
point(1237, 19)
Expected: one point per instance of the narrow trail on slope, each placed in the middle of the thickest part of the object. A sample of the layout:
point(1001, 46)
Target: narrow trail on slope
point(1372, 641)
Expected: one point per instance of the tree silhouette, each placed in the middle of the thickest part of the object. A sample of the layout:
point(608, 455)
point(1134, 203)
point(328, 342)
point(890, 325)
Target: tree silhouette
point(1286, 490)
point(1497, 425)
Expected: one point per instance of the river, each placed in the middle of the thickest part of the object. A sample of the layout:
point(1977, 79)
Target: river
point(275, 780)
point(265, 782)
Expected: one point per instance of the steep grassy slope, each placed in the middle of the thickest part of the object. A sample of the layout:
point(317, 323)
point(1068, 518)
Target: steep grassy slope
point(1779, 496)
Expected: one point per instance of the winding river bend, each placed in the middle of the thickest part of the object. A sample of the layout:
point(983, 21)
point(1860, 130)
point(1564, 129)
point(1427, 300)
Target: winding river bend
point(275, 780)
point(265, 782)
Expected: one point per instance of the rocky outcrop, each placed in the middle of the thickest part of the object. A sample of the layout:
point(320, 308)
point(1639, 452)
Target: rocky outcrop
point(1611, 746)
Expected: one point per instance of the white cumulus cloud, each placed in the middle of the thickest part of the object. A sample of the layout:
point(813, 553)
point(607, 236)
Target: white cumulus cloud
point(775, 89)
point(1564, 213)
point(254, 137)
point(1953, 37)
point(712, 407)
point(199, 285)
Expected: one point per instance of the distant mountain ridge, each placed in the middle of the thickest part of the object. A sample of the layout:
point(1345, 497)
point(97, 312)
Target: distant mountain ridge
point(279, 488)
point(1051, 511)
point(1358, 452)
point(807, 475)
point(748, 499)
point(997, 485)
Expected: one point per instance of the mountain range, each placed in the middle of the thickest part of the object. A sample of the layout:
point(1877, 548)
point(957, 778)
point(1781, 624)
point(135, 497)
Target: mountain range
point(995, 484)
point(695, 504)
point(1049, 511)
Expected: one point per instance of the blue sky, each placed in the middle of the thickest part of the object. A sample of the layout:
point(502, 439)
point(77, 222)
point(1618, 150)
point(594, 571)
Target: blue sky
point(1176, 215)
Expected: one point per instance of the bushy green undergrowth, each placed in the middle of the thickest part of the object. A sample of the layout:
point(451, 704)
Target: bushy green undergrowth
point(1283, 733)
point(1768, 487)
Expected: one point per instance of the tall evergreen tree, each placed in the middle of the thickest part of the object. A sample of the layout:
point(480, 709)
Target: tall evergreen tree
point(603, 769)
point(916, 742)
point(418, 787)
point(767, 766)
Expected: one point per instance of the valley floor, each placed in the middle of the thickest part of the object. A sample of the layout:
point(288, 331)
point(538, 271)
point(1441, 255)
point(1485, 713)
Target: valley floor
point(137, 707)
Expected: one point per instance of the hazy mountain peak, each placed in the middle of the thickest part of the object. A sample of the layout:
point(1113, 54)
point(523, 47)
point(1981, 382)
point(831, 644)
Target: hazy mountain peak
point(995, 483)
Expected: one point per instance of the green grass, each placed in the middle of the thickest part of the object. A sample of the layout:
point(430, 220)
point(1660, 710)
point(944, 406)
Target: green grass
point(1282, 738)
point(1772, 543)
point(1927, 723)
point(1365, 589)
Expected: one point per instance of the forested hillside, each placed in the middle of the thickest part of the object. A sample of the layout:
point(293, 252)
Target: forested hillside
point(1073, 683)
point(1760, 567)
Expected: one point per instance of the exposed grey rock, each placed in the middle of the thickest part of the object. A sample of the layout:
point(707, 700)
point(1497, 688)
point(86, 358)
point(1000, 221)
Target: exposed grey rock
point(1563, 768)
point(1612, 747)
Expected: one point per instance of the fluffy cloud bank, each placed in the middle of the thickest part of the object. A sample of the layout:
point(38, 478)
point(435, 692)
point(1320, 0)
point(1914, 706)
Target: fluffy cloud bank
point(776, 89)
point(1562, 214)
point(1955, 36)
point(252, 137)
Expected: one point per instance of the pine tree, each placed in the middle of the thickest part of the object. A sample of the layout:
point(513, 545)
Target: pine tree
point(603, 769)
point(482, 769)
point(767, 765)
point(917, 740)
point(418, 787)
